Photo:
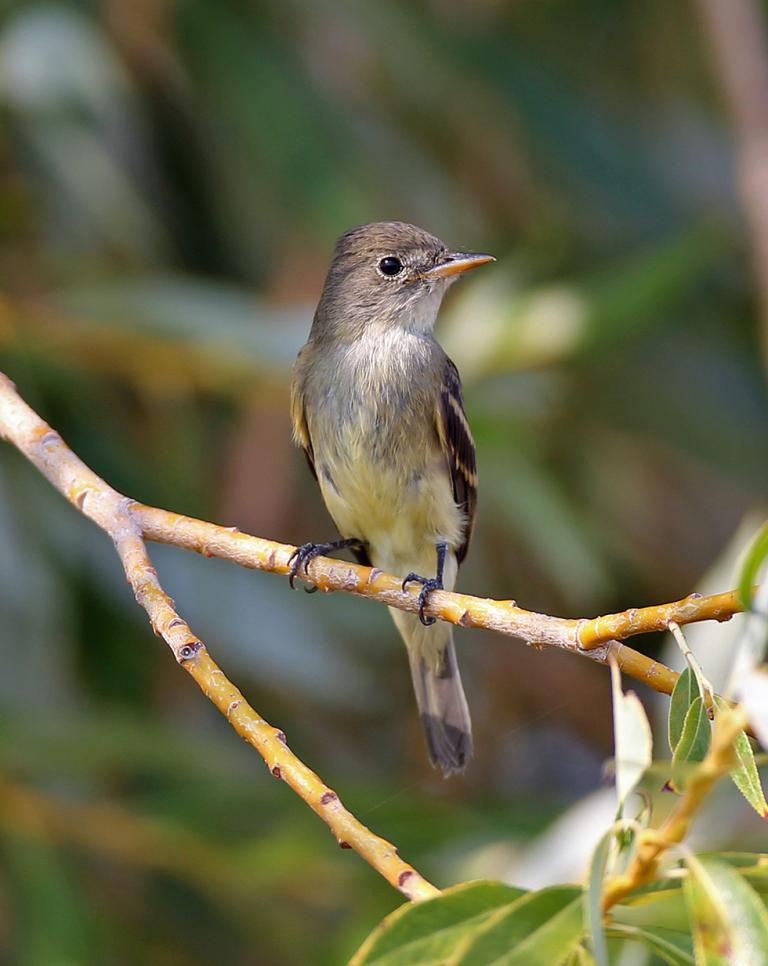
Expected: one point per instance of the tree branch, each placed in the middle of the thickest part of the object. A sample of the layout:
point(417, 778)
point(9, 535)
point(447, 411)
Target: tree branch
point(112, 512)
point(594, 638)
point(129, 524)
point(645, 620)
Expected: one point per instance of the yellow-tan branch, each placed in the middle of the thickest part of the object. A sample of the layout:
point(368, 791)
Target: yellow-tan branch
point(112, 512)
point(594, 638)
point(643, 620)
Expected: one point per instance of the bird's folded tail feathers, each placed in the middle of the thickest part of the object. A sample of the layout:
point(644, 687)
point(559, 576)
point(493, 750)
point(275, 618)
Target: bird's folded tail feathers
point(443, 709)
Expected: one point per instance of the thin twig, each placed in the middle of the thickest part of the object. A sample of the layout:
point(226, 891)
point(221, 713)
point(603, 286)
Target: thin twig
point(706, 690)
point(645, 620)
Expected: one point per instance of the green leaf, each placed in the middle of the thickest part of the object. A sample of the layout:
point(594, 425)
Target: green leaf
point(427, 932)
point(632, 738)
point(593, 907)
point(686, 689)
point(750, 865)
point(729, 922)
point(693, 744)
point(756, 557)
point(673, 947)
point(746, 777)
point(539, 929)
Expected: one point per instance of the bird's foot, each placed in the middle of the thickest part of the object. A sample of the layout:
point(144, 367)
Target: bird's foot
point(302, 556)
point(428, 584)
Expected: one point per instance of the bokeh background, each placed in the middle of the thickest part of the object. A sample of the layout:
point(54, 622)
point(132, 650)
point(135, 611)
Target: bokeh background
point(173, 174)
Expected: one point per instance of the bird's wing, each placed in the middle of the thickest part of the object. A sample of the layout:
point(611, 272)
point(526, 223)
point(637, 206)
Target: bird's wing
point(303, 439)
point(300, 427)
point(459, 448)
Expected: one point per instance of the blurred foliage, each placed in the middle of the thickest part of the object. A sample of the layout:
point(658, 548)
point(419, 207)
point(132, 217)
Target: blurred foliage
point(172, 177)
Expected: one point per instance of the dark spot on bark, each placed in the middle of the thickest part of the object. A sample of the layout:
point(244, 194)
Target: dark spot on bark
point(404, 877)
point(281, 737)
point(329, 797)
point(343, 844)
point(271, 560)
point(465, 620)
point(188, 650)
point(276, 772)
point(695, 595)
point(176, 622)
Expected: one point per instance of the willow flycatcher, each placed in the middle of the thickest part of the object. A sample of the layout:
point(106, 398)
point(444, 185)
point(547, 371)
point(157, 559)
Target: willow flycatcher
point(376, 406)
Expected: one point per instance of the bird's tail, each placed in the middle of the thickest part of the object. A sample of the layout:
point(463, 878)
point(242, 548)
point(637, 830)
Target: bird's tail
point(439, 692)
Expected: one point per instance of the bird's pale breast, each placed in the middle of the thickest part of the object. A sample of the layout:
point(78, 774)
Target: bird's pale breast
point(383, 476)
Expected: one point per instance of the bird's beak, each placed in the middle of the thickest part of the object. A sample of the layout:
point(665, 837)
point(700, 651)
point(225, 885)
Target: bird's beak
point(454, 263)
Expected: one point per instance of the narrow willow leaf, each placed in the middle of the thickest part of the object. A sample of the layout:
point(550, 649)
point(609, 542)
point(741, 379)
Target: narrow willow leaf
point(674, 948)
point(539, 929)
point(683, 694)
point(756, 557)
point(746, 777)
point(633, 741)
point(693, 744)
point(728, 920)
point(426, 933)
point(593, 899)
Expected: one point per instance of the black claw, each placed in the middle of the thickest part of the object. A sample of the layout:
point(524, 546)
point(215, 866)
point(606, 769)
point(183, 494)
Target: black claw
point(301, 557)
point(428, 584)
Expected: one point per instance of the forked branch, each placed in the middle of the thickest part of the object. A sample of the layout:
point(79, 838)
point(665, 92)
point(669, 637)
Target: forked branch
point(129, 524)
point(112, 512)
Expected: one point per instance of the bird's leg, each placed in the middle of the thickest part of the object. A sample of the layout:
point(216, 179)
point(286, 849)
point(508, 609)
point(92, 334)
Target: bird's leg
point(428, 584)
point(301, 557)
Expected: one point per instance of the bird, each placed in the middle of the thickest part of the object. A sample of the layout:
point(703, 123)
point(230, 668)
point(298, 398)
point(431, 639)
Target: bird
point(377, 408)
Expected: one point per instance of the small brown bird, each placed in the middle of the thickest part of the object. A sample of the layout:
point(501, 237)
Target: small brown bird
point(377, 408)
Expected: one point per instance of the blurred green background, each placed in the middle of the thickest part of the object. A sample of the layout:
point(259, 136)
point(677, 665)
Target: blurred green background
point(172, 178)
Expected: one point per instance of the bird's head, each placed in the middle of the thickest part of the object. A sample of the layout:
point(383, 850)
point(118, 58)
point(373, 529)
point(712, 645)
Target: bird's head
point(389, 273)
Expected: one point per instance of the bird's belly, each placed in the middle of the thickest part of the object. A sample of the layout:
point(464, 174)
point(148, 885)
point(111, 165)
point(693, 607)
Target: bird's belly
point(400, 503)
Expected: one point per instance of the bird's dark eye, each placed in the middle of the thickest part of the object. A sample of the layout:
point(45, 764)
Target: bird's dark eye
point(390, 266)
